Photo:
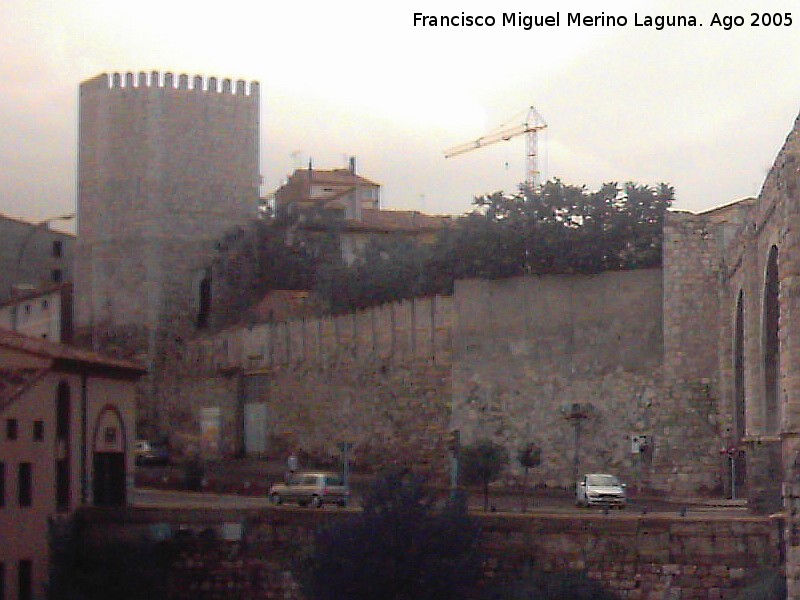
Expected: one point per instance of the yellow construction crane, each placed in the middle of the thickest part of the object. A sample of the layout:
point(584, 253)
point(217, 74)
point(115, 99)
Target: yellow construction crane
point(530, 128)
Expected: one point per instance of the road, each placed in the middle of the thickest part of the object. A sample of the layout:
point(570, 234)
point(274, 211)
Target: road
point(144, 497)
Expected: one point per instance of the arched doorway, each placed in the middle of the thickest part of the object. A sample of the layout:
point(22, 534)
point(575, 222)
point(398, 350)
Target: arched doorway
point(108, 476)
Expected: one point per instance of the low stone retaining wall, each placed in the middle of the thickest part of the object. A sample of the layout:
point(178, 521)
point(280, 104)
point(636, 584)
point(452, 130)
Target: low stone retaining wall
point(252, 553)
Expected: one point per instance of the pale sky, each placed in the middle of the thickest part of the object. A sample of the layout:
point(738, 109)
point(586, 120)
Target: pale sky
point(701, 108)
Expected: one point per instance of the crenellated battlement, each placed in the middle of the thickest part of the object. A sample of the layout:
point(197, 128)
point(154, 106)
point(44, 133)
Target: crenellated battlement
point(168, 81)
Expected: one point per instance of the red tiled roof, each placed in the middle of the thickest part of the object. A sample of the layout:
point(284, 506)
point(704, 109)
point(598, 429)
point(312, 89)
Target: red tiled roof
point(65, 354)
point(333, 176)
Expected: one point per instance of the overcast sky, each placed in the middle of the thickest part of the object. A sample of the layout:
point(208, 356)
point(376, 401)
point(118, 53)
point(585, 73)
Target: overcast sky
point(701, 108)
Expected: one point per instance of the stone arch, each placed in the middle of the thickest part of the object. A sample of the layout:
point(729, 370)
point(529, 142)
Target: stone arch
point(771, 344)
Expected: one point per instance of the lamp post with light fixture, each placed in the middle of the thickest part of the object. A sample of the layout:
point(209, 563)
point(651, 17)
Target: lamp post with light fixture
point(576, 413)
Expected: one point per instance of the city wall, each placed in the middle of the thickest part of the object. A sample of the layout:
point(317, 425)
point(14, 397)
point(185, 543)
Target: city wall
point(503, 360)
point(640, 557)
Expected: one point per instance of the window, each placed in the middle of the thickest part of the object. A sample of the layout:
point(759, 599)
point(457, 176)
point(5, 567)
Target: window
point(38, 431)
point(62, 485)
point(12, 429)
point(2, 486)
point(45, 305)
point(25, 580)
point(57, 276)
point(25, 484)
point(27, 309)
point(2, 581)
point(62, 411)
point(58, 249)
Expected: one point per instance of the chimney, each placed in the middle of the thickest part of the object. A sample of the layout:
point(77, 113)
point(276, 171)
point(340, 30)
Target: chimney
point(352, 163)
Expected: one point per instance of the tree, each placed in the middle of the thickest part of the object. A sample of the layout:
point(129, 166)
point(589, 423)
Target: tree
point(529, 457)
point(401, 547)
point(481, 463)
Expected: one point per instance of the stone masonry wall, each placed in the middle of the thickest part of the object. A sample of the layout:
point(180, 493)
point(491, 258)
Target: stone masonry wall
point(379, 378)
point(527, 350)
point(392, 381)
point(640, 557)
point(165, 170)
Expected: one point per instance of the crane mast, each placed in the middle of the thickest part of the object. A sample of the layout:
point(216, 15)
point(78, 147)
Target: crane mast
point(530, 128)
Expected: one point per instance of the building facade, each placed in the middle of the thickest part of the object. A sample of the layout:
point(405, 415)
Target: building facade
point(67, 431)
point(33, 255)
point(45, 313)
point(340, 192)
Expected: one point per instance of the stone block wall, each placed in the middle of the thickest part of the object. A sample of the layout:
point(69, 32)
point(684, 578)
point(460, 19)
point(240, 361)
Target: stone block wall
point(165, 170)
point(526, 350)
point(500, 360)
point(379, 378)
point(639, 557)
point(691, 258)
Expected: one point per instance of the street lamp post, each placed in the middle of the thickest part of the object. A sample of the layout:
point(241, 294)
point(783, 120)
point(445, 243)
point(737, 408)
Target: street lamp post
point(576, 413)
point(345, 448)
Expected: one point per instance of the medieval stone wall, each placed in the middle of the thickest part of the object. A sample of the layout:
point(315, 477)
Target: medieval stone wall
point(501, 360)
point(528, 353)
point(640, 557)
point(378, 378)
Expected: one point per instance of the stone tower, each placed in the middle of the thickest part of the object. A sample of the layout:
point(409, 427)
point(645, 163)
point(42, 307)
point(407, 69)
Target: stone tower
point(166, 168)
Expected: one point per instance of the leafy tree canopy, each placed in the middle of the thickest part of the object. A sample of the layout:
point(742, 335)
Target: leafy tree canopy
point(482, 463)
point(559, 228)
point(402, 547)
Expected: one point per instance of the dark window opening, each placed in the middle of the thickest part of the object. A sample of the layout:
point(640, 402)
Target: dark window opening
point(57, 276)
point(2, 484)
point(25, 484)
point(38, 431)
point(62, 485)
point(738, 369)
point(58, 249)
point(25, 580)
point(205, 303)
point(62, 411)
point(2, 581)
point(771, 344)
point(12, 429)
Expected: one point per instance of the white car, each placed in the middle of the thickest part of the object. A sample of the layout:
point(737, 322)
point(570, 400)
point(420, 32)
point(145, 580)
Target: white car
point(314, 488)
point(600, 489)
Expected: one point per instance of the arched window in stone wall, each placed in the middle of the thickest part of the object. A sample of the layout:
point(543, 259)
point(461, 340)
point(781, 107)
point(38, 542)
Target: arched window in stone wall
point(738, 370)
point(771, 345)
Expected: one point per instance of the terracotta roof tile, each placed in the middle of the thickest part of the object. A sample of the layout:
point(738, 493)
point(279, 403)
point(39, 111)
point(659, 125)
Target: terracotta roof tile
point(64, 353)
point(334, 176)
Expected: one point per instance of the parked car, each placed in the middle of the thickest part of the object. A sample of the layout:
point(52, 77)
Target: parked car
point(600, 489)
point(148, 453)
point(311, 488)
